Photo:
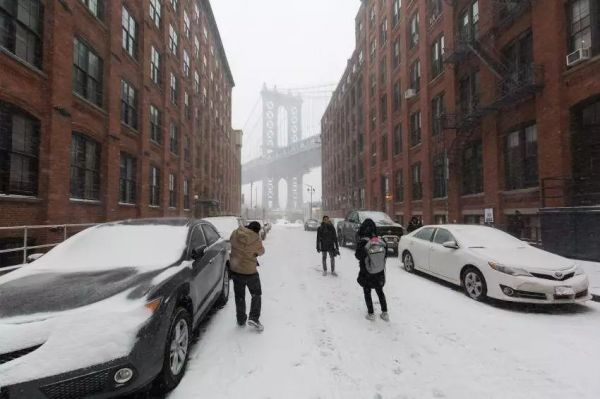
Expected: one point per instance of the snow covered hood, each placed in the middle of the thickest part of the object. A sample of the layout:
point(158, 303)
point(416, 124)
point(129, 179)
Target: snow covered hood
point(526, 257)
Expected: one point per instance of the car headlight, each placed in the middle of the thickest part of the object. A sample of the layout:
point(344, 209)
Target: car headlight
point(513, 271)
point(579, 270)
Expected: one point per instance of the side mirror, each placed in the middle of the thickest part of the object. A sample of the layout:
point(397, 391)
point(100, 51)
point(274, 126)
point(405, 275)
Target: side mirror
point(198, 252)
point(450, 244)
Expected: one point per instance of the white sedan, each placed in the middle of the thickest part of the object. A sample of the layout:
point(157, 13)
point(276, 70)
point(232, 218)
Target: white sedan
point(487, 262)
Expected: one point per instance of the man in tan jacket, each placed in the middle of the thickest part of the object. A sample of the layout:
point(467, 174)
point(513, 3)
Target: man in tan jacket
point(246, 246)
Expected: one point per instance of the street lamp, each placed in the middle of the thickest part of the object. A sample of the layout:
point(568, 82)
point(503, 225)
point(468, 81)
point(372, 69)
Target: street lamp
point(311, 190)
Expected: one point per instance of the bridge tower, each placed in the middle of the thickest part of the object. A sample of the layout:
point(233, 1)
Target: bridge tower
point(282, 121)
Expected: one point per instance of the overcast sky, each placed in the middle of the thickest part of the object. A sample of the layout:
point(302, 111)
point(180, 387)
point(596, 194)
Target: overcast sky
point(288, 43)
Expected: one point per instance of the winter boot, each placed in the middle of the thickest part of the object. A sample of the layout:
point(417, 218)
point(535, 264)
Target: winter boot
point(370, 316)
point(333, 273)
point(324, 272)
point(385, 316)
point(256, 325)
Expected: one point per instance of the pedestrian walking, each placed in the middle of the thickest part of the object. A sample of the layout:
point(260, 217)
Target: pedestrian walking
point(327, 244)
point(413, 224)
point(246, 246)
point(371, 252)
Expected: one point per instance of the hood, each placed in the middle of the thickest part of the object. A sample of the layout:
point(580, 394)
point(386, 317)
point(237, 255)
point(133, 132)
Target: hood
point(525, 257)
point(244, 235)
point(47, 292)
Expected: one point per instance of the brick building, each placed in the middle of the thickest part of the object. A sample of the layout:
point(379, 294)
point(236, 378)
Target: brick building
point(451, 107)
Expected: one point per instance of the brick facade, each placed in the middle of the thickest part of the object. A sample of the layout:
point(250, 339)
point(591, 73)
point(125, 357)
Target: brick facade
point(45, 94)
point(507, 93)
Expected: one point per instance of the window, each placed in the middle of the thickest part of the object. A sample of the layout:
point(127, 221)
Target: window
point(21, 29)
point(437, 113)
point(211, 235)
point(521, 159)
point(384, 146)
point(398, 139)
point(442, 236)
point(173, 89)
point(186, 24)
point(396, 59)
point(154, 65)
point(186, 194)
point(186, 105)
point(186, 64)
point(469, 22)
point(383, 32)
point(372, 16)
point(472, 168)
point(415, 128)
point(173, 39)
point(373, 84)
point(437, 54)
point(396, 12)
point(440, 176)
point(129, 33)
point(196, 47)
point(154, 186)
point(187, 149)
point(383, 71)
point(425, 234)
point(383, 108)
point(435, 9)
point(373, 49)
point(399, 186)
point(174, 4)
point(196, 82)
point(397, 96)
point(172, 191)
point(580, 25)
point(128, 104)
point(155, 12)
point(197, 239)
point(473, 219)
point(519, 60)
point(373, 119)
point(127, 183)
point(174, 138)
point(415, 76)
point(96, 7)
point(413, 34)
point(417, 185)
point(85, 168)
point(468, 93)
point(155, 125)
point(373, 153)
point(19, 151)
point(87, 73)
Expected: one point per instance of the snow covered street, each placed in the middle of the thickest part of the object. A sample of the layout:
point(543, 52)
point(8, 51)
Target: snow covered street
point(438, 344)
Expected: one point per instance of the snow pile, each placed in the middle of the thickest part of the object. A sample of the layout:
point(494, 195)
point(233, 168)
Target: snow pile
point(72, 340)
point(148, 247)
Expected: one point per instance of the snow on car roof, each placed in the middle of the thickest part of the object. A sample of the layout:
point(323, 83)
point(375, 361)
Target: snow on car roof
point(224, 224)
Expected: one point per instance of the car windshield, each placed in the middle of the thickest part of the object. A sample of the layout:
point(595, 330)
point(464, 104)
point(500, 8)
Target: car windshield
point(377, 217)
point(486, 237)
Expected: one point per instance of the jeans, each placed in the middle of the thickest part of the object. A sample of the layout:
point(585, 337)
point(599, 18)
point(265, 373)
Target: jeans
point(369, 300)
point(331, 256)
point(240, 282)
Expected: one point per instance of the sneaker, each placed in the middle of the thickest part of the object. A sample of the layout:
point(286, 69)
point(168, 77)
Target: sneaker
point(334, 274)
point(324, 272)
point(256, 325)
point(385, 316)
point(370, 316)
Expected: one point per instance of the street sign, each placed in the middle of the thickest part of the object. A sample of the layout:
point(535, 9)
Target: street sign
point(489, 215)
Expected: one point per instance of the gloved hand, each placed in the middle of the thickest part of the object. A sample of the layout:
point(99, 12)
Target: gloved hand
point(318, 250)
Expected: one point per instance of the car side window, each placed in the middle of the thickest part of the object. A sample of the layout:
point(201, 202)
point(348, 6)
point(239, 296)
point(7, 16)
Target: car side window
point(354, 217)
point(442, 236)
point(425, 234)
point(197, 238)
point(211, 235)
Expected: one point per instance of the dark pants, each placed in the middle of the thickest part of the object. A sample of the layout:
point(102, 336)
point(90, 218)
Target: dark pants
point(240, 282)
point(331, 256)
point(369, 300)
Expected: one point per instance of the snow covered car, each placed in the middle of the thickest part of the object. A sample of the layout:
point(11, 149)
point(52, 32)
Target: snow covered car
point(311, 225)
point(110, 310)
point(225, 225)
point(387, 229)
point(488, 262)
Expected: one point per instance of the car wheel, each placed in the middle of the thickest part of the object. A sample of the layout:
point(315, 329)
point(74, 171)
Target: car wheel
point(474, 284)
point(409, 263)
point(224, 297)
point(176, 351)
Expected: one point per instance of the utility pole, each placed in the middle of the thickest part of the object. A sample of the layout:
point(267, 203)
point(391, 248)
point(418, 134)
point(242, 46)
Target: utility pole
point(311, 190)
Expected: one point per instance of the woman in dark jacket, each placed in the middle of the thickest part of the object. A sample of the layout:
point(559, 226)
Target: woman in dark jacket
point(367, 280)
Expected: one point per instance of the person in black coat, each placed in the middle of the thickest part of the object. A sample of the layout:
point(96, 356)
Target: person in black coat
point(369, 281)
point(414, 224)
point(327, 243)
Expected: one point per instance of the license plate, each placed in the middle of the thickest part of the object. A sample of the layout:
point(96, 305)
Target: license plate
point(564, 291)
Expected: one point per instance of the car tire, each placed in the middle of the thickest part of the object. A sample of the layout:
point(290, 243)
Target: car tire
point(224, 296)
point(474, 284)
point(409, 262)
point(179, 339)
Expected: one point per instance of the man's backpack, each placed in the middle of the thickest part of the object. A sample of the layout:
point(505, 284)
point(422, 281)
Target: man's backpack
point(376, 250)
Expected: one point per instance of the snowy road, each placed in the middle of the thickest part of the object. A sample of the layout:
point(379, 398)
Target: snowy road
point(438, 344)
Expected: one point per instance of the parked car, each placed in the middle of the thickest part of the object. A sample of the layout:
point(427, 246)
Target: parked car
point(267, 224)
point(110, 310)
point(336, 221)
point(311, 225)
point(263, 232)
point(387, 229)
point(488, 262)
point(225, 225)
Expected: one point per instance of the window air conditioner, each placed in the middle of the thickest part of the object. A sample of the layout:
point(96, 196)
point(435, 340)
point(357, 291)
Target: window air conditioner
point(578, 56)
point(410, 93)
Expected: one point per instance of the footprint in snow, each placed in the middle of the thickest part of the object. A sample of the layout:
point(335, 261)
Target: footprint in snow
point(438, 394)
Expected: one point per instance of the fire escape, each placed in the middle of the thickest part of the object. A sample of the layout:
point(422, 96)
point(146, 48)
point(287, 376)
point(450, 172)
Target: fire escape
point(515, 82)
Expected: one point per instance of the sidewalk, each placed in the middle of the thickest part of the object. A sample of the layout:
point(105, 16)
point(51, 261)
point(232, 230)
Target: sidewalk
point(592, 269)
